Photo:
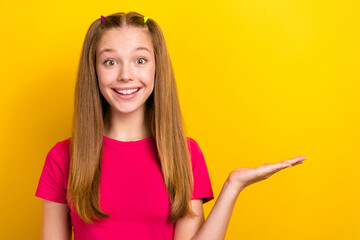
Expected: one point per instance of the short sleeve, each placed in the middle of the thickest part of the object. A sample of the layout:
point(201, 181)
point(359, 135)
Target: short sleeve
point(51, 184)
point(202, 184)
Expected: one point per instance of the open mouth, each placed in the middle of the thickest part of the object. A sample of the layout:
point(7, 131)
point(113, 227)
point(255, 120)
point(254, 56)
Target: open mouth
point(127, 92)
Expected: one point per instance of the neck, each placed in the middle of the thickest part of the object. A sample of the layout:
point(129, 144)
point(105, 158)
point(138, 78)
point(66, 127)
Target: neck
point(125, 127)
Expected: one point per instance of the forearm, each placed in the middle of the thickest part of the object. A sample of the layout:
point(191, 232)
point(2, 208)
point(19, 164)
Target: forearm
point(215, 225)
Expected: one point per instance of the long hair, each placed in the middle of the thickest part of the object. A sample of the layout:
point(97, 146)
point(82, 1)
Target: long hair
point(163, 118)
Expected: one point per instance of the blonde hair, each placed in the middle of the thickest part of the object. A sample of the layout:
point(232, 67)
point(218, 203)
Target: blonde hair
point(163, 119)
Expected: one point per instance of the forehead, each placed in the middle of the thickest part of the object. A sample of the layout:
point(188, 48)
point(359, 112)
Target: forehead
point(125, 38)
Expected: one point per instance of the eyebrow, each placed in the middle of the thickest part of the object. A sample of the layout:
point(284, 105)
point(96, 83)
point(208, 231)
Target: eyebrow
point(112, 50)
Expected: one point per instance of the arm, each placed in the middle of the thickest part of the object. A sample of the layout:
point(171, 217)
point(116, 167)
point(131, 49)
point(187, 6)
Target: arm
point(56, 224)
point(215, 225)
point(218, 220)
point(185, 228)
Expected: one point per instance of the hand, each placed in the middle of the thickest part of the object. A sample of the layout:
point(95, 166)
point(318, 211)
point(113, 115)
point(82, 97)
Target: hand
point(245, 176)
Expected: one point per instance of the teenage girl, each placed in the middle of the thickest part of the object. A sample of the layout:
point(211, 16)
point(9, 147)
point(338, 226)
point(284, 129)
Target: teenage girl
point(129, 171)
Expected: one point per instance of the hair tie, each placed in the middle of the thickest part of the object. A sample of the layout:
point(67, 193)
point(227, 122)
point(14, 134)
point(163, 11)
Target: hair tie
point(145, 19)
point(102, 18)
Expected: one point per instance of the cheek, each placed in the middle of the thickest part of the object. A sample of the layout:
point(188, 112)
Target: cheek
point(105, 76)
point(102, 81)
point(102, 90)
point(149, 75)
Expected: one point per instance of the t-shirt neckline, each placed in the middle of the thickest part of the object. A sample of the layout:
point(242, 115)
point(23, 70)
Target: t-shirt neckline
point(127, 143)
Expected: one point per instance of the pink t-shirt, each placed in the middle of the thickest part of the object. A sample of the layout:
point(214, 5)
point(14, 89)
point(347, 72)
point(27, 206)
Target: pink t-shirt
point(132, 189)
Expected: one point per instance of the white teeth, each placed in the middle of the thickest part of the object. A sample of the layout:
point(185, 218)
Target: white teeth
point(128, 91)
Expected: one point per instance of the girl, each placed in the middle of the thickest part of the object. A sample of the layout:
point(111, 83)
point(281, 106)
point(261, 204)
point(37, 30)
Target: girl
point(129, 171)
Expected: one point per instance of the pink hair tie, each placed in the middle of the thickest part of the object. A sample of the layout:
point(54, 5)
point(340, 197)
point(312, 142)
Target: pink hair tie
point(102, 18)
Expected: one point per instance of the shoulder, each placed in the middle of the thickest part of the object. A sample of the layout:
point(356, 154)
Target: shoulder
point(54, 177)
point(195, 151)
point(59, 153)
point(61, 147)
point(64, 145)
point(191, 142)
point(202, 183)
point(193, 146)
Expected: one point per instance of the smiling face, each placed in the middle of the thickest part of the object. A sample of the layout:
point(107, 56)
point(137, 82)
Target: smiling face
point(125, 60)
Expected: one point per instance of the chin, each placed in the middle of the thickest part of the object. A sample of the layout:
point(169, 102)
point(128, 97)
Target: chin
point(126, 110)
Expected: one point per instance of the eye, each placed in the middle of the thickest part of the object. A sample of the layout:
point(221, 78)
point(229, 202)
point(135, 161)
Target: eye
point(143, 60)
point(109, 62)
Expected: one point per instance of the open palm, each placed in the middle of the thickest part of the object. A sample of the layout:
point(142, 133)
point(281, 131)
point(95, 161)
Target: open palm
point(245, 176)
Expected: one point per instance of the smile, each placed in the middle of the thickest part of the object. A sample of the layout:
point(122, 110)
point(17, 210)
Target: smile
point(127, 94)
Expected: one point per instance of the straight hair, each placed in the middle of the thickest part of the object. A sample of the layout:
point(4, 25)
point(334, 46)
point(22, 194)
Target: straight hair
point(162, 117)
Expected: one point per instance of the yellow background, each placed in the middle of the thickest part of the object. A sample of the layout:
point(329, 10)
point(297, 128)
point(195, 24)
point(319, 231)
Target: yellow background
point(258, 81)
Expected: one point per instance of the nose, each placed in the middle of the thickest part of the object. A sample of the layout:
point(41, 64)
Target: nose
point(125, 72)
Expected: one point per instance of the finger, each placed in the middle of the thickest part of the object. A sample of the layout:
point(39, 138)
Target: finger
point(299, 162)
point(301, 158)
point(293, 163)
point(295, 160)
point(285, 164)
point(276, 167)
point(289, 164)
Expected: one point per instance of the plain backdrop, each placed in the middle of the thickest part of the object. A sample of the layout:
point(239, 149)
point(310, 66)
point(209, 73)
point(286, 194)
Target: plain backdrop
point(258, 81)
